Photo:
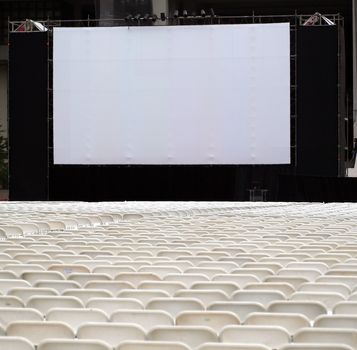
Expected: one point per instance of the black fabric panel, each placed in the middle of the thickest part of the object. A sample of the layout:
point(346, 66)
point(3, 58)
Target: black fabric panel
point(28, 141)
point(317, 189)
point(317, 134)
point(199, 183)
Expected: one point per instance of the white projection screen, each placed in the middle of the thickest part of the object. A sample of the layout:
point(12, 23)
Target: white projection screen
point(210, 94)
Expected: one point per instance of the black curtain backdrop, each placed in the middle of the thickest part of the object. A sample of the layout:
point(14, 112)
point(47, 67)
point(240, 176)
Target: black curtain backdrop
point(317, 189)
point(28, 140)
point(317, 123)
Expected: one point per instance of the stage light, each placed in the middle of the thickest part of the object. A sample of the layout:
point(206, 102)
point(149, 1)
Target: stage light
point(185, 13)
point(154, 18)
point(146, 17)
point(137, 17)
point(193, 14)
point(163, 16)
point(128, 18)
point(176, 14)
point(203, 13)
point(212, 13)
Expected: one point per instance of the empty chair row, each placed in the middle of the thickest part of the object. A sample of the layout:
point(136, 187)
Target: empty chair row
point(114, 334)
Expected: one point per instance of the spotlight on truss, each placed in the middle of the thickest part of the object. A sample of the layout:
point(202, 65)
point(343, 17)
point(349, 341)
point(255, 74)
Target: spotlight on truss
point(317, 19)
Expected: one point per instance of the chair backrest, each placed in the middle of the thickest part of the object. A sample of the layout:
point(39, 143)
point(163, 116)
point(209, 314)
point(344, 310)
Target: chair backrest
point(227, 287)
point(261, 297)
point(15, 343)
point(25, 293)
point(45, 303)
point(36, 331)
point(77, 344)
point(291, 322)
point(232, 346)
point(336, 321)
point(85, 294)
point(111, 333)
point(310, 309)
point(59, 286)
point(112, 287)
point(82, 278)
point(273, 337)
point(215, 320)
point(285, 288)
point(147, 319)
point(345, 308)
point(144, 296)
point(34, 276)
point(296, 282)
point(207, 297)
point(241, 279)
point(171, 287)
point(110, 305)
point(8, 315)
point(76, 317)
point(240, 308)
point(326, 287)
point(188, 279)
point(135, 278)
point(10, 301)
point(193, 336)
point(152, 345)
point(175, 305)
point(327, 335)
point(316, 346)
point(8, 284)
point(328, 299)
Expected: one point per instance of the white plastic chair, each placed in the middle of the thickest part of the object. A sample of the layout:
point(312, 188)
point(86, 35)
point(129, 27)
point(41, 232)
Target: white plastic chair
point(291, 322)
point(215, 320)
point(232, 346)
point(261, 297)
point(8, 315)
point(63, 344)
point(316, 346)
point(193, 336)
point(85, 294)
point(151, 345)
point(175, 305)
point(144, 296)
point(111, 333)
point(336, 321)
point(310, 309)
point(326, 298)
point(110, 305)
point(15, 343)
point(45, 303)
point(59, 286)
point(273, 337)
point(147, 319)
point(36, 332)
point(207, 297)
point(240, 308)
point(167, 286)
point(26, 293)
point(76, 317)
point(327, 335)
